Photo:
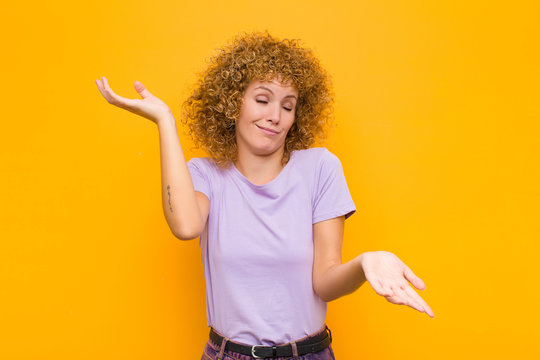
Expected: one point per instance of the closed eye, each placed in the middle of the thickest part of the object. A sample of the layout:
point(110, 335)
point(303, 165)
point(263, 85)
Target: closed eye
point(266, 102)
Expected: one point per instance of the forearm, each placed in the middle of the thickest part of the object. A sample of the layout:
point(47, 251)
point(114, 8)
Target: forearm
point(178, 195)
point(341, 279)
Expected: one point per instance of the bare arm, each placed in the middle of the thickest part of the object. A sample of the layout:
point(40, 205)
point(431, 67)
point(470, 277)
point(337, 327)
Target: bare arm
point(384, 271)
point(331, 278)
point(186, 210)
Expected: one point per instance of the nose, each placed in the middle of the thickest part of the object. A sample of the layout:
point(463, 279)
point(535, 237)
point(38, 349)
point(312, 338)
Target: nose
point(274, 113)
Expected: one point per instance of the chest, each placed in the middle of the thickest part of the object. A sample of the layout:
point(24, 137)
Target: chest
point(263, 226)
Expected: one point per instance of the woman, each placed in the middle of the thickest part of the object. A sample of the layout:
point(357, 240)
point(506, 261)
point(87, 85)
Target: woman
point(269, 209)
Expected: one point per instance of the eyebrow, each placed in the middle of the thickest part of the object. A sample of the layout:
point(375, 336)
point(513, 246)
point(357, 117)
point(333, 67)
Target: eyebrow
point(265, 88)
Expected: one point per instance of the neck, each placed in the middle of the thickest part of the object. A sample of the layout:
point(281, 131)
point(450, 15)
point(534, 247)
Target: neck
point(259, 169)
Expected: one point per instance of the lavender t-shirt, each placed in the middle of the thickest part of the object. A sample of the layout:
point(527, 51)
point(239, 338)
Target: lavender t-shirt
point(257, 247)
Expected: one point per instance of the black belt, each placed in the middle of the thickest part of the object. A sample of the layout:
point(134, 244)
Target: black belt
point(311, 345)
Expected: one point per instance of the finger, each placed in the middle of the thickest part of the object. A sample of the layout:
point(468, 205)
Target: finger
point(393, 296)
point(108, 89)
point(105, 93)
point(406, 298)
point(413, 279)
point(413, 299)
point(418, 299)
point(115, 99)
point(141, 89)
point(100, 87)
point(397, 300)
point(105, 90)
point(400, 297)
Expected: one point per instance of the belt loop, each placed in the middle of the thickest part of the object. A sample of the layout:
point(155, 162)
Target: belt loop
point(329, 332)
point(294, 350)
point(222, 348)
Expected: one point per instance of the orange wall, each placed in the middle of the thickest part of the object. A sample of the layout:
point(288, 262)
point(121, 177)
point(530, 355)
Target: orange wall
point(437, 111)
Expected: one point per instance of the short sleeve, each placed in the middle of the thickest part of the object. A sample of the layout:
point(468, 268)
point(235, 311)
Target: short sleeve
point(332, 196)
point(199, 176)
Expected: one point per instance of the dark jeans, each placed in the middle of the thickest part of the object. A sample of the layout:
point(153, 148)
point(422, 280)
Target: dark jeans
point(211, 352)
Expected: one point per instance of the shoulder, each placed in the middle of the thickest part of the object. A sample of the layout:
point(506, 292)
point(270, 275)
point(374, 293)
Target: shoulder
point(318, 157)
point(204, 167)
point(202, 163)
point(315, 153)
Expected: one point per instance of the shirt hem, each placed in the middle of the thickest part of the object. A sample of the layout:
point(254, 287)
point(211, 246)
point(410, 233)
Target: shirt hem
point(347, 210)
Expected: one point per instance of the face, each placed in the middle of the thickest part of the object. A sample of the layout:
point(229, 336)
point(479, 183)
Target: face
point(266, 115)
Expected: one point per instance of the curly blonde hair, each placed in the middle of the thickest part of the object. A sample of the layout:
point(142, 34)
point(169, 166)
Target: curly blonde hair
point(212, 109)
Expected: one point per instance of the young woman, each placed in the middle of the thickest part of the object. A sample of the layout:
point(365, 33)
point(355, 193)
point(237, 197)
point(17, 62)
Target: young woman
point(269, 208)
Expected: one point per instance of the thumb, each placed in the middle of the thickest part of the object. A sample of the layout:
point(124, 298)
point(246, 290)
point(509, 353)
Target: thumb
point(142, 90)
point(415, 280)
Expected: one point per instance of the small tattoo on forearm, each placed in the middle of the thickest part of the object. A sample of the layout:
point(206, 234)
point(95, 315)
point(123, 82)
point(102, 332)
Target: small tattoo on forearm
point(168, 192)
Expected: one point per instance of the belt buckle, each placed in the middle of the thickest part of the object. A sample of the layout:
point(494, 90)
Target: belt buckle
point(253, 352)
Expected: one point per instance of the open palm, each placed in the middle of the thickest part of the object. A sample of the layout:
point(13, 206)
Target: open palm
point(388, 276)
point(149, 106)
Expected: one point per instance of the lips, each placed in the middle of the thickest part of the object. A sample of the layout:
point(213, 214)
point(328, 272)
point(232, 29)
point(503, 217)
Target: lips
point(267, 129)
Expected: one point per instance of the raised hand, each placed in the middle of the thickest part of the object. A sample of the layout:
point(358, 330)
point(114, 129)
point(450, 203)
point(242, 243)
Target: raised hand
point(388, 276)
point(149, 106)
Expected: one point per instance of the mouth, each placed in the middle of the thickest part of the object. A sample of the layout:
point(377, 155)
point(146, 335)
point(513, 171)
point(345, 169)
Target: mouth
point(267, 131)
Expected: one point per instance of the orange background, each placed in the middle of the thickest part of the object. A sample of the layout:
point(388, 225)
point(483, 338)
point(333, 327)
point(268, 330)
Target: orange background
point(437, 106)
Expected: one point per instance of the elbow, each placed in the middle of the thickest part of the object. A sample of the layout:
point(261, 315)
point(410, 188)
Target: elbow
point(186, 236)
point(321, 294)
point(328, 295)
point(186, 233)
point(186, 228)
point(325, 297)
